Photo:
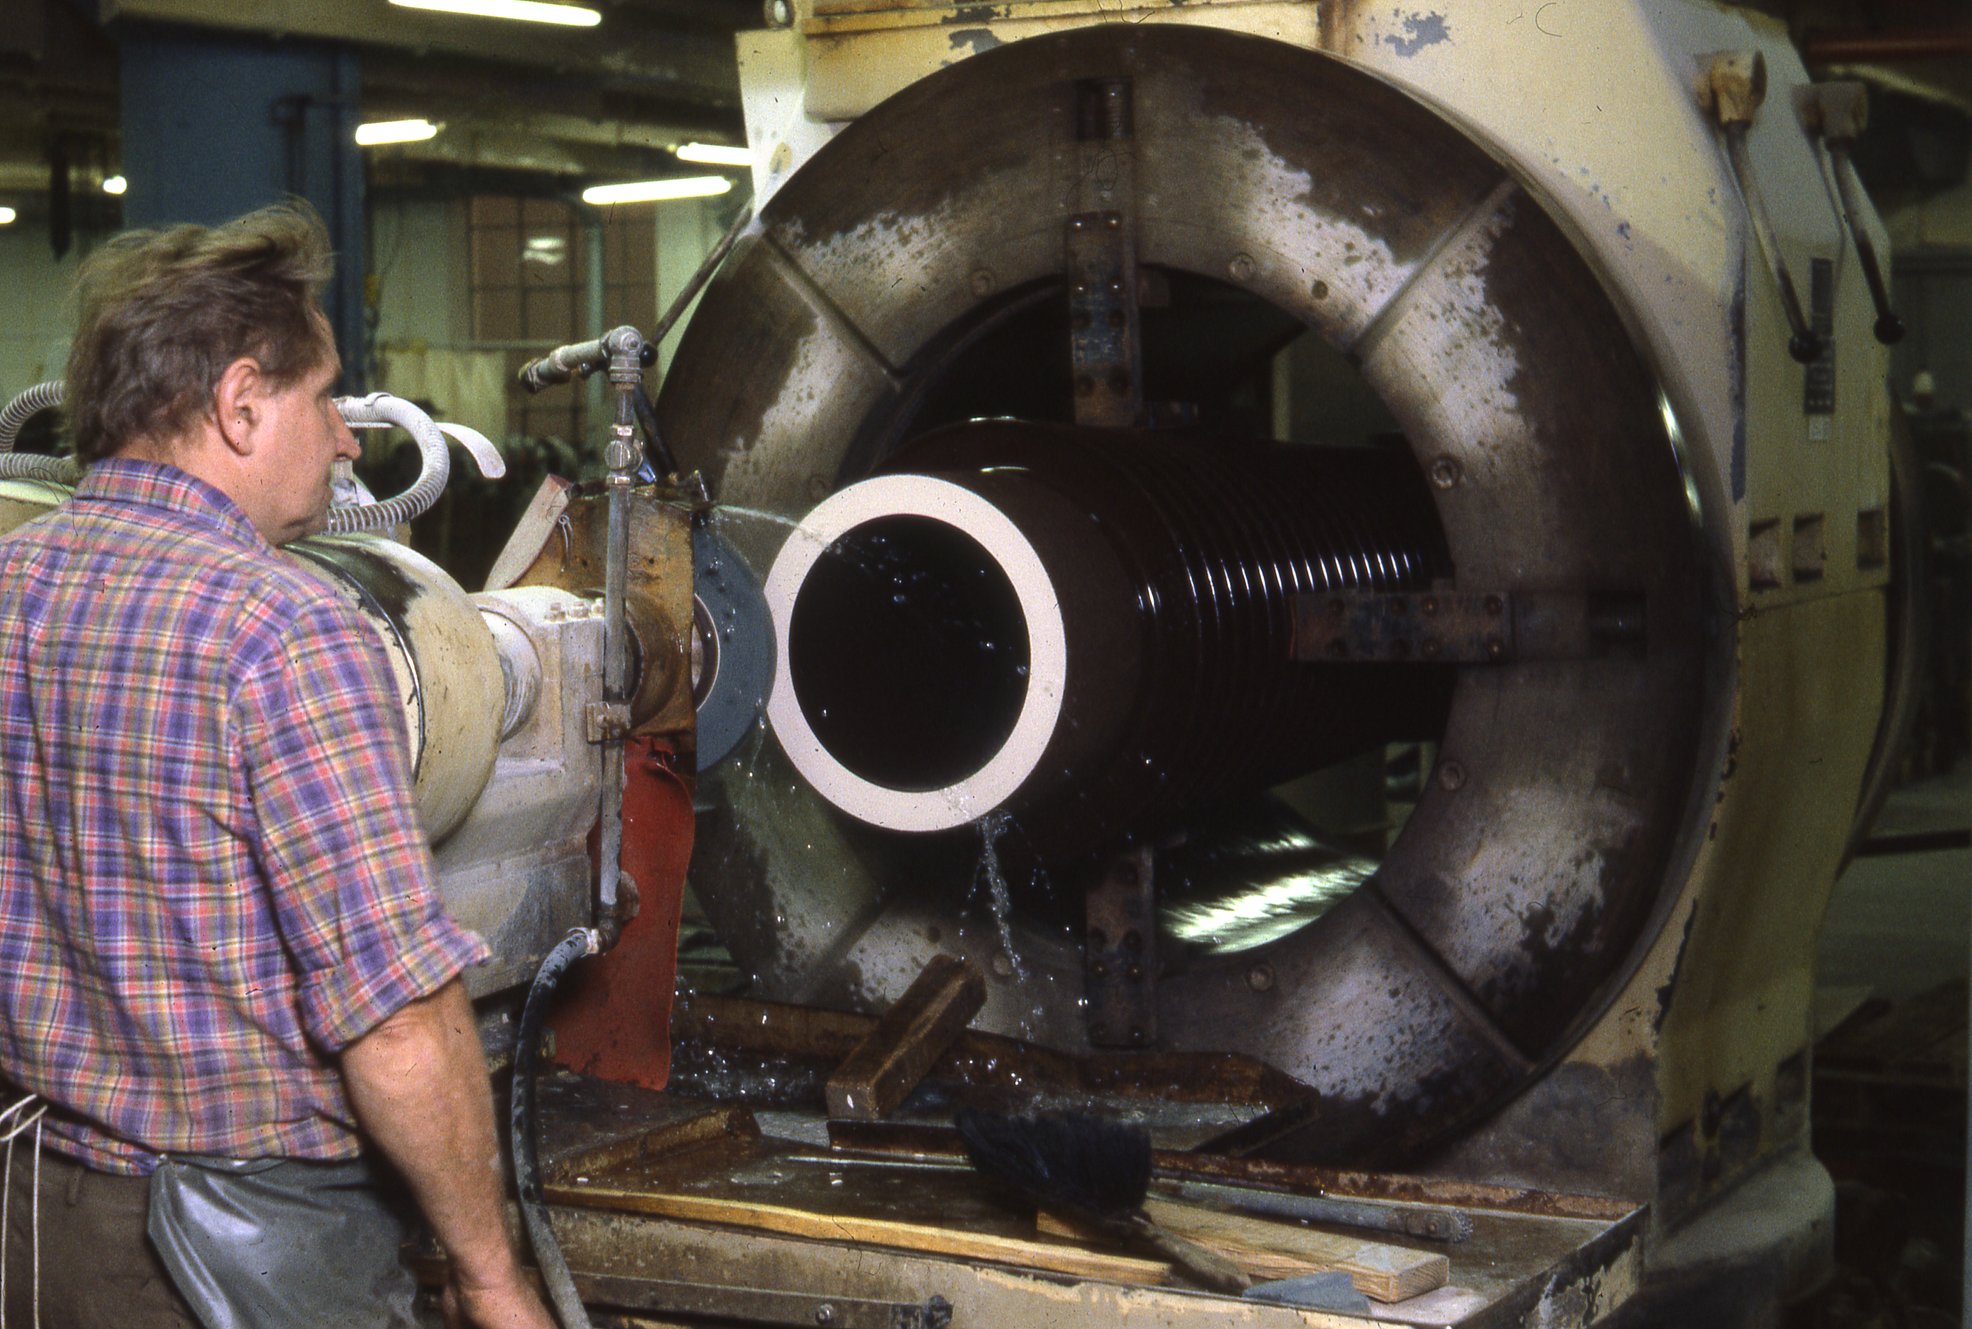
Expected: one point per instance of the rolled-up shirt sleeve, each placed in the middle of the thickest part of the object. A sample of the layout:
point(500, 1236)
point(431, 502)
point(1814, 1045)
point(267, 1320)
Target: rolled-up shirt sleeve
point(346, 865)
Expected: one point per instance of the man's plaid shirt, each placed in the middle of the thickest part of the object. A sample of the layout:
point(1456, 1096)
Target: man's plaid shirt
point(211, 873)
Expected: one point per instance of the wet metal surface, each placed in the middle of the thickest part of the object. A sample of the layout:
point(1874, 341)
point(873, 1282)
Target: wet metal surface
point(1122, 950)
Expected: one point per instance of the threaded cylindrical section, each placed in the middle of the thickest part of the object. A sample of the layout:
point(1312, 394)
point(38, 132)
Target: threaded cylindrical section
point(1099, 621)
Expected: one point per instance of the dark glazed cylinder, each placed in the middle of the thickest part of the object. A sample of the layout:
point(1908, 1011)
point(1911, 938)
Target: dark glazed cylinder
point(915, 641)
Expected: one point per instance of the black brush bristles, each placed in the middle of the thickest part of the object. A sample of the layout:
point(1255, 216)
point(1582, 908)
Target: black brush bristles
point(1062, 1161)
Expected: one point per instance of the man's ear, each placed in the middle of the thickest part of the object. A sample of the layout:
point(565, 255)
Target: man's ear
point(237, 400)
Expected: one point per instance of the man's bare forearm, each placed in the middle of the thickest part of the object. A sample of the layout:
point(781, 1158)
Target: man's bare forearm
point(418, 1084)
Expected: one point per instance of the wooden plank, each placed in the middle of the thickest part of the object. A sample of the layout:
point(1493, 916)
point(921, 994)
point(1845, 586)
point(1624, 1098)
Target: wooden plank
point(1054, 1257)
point(890, 1061)
point(719, 1122)
point(1269, 1250)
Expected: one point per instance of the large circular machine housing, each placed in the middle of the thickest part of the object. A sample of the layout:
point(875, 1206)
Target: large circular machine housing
point(1567, 800)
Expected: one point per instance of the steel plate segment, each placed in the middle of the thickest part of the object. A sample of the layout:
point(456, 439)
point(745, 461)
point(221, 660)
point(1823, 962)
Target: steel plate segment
point(964, 800)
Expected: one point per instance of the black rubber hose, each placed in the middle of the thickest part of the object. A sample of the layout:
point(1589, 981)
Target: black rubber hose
point(527, 1182)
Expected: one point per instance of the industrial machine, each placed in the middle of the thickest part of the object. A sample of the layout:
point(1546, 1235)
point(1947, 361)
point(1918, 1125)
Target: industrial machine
point(1570, 330)
point(1354, 543)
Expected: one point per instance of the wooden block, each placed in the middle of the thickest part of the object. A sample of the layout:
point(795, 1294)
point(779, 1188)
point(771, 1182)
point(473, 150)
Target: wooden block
point(1268, 1250)
point(1051, 1256)
point(883, 1069)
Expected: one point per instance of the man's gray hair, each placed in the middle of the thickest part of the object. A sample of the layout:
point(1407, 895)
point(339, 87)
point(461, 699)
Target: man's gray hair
point(162, 313)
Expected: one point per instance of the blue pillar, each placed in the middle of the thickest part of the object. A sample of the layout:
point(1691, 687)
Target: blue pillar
point(216, 125)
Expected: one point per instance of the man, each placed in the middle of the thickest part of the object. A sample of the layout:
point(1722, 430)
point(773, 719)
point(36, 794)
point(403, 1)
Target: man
point(219, 937)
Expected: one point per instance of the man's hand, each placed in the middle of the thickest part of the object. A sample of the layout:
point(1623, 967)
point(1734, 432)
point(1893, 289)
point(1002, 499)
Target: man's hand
point(514, 1305)
point(418, 1084)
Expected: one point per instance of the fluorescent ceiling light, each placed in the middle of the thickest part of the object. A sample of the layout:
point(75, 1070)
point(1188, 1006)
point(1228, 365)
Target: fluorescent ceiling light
point(115, 184)
point(651, 191)
point(528, 11)
point(7, 216)
point(378, 132)
point(714, 154)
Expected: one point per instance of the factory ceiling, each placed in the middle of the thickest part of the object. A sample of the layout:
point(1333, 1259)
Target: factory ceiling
point(568, 105)
point(519, 99)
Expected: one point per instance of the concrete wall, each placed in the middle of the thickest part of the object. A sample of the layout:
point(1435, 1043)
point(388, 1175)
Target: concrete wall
point(420, 270)
point(686, 231)
point(34, 331)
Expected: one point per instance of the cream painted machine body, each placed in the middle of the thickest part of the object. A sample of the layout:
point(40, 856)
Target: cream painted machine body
point(1556, 291)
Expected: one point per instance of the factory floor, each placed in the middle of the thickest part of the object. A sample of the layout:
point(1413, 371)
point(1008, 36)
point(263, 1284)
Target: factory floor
point(1889, 1096)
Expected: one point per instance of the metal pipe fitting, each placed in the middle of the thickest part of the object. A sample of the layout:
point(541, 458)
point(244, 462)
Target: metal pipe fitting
point(627, 354)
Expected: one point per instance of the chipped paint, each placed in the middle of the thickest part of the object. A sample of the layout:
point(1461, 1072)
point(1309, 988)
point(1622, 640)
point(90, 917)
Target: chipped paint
point(976, 14)
point(900, 238)
point(972, 41)
point(1422, 30)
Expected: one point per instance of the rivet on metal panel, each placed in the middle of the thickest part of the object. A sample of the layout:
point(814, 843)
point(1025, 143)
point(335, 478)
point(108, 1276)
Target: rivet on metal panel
point(982, 281)
point(1242, 267)
point(1445, 472)
point(1451, 776)
point(1260, 977)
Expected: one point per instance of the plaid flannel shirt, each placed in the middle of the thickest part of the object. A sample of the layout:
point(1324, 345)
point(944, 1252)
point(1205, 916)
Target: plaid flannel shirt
point(211, 873)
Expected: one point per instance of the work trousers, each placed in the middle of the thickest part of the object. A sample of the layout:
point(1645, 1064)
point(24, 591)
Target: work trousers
point(97, 1267)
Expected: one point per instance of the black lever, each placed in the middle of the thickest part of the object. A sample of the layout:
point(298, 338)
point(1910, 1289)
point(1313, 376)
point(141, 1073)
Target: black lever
point(1734, 88)
point(1838, 113)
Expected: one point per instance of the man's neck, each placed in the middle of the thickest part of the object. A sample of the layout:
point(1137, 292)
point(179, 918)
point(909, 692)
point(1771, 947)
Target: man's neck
point(201, 454)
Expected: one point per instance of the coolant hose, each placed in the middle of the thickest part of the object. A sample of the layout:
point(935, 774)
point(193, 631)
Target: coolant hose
point(24, 407)
point(34, 466)
point(29, 465)
point(381, 407)
point(540, 1235)
point(377, 408)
